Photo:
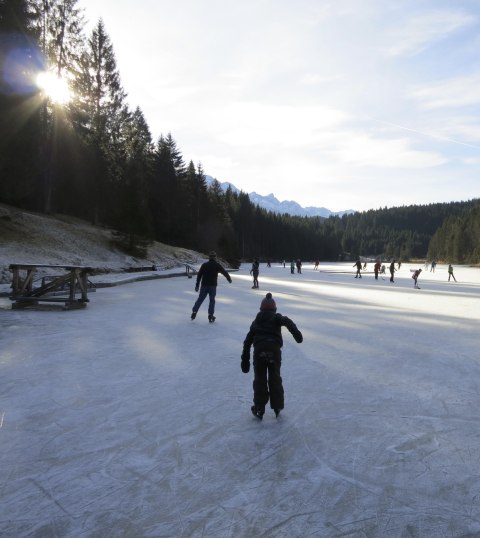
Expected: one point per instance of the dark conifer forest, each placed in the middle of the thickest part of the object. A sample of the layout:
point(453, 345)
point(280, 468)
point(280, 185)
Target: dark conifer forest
point(94, 158)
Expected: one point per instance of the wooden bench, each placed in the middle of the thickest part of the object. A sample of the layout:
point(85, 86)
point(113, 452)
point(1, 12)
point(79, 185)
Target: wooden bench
point(190, 271)
point(69, 286)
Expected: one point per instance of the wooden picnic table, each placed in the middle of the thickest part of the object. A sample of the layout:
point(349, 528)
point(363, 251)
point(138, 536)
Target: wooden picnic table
point(69, 285)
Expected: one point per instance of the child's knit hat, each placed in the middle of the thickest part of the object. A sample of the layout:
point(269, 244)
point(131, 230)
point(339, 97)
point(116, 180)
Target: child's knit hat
point(268, 303)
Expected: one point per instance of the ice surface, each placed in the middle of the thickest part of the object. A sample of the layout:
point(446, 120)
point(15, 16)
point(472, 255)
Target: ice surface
point(127, 419)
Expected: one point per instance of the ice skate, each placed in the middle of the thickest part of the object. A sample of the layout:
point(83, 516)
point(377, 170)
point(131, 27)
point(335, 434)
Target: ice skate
point(194, 315)
point(211, 319)
point(256, 412)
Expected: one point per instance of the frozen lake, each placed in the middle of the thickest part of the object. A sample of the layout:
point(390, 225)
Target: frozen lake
point(127, 419)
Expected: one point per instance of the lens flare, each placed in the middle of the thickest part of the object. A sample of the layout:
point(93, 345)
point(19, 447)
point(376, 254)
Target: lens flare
point(56, 88)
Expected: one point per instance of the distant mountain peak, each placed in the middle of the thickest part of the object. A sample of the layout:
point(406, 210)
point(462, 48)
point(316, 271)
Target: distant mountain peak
point(272, 204)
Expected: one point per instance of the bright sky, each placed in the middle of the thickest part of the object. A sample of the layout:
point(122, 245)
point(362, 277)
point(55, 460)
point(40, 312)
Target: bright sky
point(344, 104)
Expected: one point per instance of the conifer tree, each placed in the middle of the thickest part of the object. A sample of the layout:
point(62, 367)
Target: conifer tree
point(20, 125)
point(168, 189)
point(196, 203)
point(132, 210)
point(101, 112)
point(59, 25)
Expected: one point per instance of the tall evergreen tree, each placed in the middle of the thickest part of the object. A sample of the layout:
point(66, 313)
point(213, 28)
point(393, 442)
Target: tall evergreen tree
point(196, 203)
point(101, 113)
point(59, 25)
point(168, 190)
point(132, 209)
point(20, 122)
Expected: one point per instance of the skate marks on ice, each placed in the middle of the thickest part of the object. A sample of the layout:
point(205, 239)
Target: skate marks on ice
point(144, 429)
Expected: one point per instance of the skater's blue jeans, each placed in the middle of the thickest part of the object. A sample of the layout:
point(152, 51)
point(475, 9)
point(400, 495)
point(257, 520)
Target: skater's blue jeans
point(211, 291)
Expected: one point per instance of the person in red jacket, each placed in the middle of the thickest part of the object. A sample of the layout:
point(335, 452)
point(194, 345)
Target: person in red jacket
point(265, 334)
point(207, 279)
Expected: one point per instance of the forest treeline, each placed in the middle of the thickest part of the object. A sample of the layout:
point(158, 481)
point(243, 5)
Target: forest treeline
point(93, 157)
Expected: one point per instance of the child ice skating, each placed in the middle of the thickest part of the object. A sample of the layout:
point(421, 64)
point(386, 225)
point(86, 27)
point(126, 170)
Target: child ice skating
point(254, 271)
point(266, 336)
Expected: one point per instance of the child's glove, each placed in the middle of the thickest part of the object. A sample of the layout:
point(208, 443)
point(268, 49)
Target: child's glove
point(245, 365)
point(298, 337)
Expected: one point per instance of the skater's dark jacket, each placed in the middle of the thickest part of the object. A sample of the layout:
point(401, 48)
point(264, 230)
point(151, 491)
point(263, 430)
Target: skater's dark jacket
point(208, 273)
point(266, 331)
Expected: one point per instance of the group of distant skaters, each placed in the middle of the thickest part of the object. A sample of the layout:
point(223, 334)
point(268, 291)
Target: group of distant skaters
point(379, 268)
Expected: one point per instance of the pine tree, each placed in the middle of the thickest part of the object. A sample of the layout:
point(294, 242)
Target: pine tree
point(196, 203)
point(59, 25)
point(20, 121)
point(100, 113)
point(132, 210)
point(168, 189)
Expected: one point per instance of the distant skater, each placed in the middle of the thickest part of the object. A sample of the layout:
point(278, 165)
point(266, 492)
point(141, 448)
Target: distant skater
point(299, 266)
point(450, 273)
point(376, 269)
point(317, 263)
point(392, 270)
point(358, 265)
point(208, 276)
point(432, 266)
point(254, 271)
point(292, 267)
point(415, 276)
point(265, 334)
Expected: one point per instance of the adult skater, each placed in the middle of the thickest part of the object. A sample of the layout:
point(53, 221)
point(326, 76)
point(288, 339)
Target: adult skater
point(358, 265)
point(266, 336)
point(207, 278)
point(376, 268)
point(292, 267)
point(415, 276)
point(254, 272)
point(450, 273)
point(392, 270)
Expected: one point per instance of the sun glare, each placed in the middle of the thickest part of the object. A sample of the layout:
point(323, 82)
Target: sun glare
point(54, 87)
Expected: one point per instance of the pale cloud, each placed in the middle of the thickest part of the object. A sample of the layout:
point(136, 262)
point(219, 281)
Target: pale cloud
point(420, 31)
point(454, 92)
point(364, 150)
point(317, 79)
point(256, 124)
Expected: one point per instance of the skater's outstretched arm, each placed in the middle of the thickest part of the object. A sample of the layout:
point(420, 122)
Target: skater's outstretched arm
point(288, 323)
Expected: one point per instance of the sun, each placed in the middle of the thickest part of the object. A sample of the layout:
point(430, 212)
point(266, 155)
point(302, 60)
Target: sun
point(56, 88)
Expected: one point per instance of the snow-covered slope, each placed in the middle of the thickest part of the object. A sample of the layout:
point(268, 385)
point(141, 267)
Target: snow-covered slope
point(28, 237)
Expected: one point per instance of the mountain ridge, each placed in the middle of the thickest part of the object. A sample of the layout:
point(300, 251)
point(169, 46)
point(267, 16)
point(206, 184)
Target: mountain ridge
point(271, 203)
